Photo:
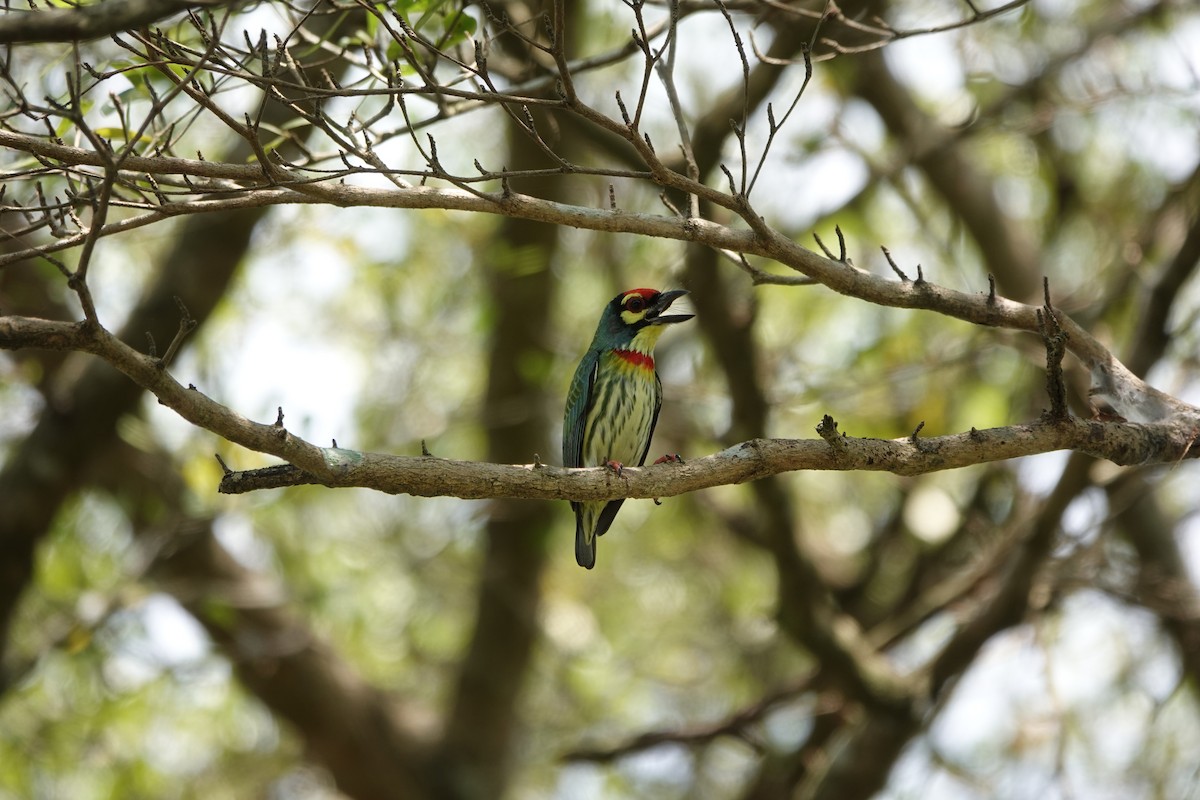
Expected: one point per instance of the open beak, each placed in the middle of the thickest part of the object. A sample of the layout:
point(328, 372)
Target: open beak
point(655, 316)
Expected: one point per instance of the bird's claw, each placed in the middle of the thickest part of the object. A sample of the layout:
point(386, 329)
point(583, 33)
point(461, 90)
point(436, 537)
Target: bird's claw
point(669, 458)
point(616, 466)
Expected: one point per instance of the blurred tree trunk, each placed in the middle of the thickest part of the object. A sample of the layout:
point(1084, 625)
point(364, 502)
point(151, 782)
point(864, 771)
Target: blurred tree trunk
point(472, 761)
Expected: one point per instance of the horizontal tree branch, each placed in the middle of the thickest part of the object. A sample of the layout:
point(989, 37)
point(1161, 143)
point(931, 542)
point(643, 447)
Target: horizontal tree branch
point(132, 164)
point(90, 21)
point(738, 725)
point(1120, 442)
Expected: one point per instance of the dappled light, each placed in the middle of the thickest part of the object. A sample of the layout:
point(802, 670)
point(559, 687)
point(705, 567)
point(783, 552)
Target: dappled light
point(319, 319)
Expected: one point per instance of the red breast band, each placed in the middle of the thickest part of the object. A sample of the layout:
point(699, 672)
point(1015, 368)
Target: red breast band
point(643, 360)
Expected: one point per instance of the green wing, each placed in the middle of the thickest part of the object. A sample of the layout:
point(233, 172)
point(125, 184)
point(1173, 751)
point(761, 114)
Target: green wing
point(653, 419)
point(579, 403)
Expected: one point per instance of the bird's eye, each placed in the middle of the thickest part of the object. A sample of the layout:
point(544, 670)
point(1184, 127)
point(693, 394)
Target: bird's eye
point(636, 303)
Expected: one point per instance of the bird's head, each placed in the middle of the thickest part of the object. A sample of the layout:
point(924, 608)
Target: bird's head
point(636, 318)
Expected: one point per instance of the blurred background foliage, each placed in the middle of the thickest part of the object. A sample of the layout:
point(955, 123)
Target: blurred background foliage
point(1057, 139)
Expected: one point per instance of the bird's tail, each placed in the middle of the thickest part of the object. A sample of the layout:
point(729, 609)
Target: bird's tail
point(585, 535)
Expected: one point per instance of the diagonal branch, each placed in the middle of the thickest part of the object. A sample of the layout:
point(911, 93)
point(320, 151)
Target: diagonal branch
point(365, 737)
point(1111, 380)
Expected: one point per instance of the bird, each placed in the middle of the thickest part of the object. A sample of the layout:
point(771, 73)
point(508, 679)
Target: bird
point(614, 400)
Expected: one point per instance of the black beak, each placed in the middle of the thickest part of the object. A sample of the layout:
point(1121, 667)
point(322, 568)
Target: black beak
point(655, 316)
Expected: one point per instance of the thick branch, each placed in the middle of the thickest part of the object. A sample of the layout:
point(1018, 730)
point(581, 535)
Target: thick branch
point(429, 476)
point(90, 21)
point(426, 476)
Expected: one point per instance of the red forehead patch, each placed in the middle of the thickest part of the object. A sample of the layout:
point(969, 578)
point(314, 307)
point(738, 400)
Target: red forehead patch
point(645, 293)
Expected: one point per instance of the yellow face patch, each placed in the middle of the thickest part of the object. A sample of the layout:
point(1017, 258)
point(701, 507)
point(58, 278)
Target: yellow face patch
point(635, 304)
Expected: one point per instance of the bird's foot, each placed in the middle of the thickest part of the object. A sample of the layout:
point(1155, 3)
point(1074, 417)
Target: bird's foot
point(616, 466)
point(669, 458)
